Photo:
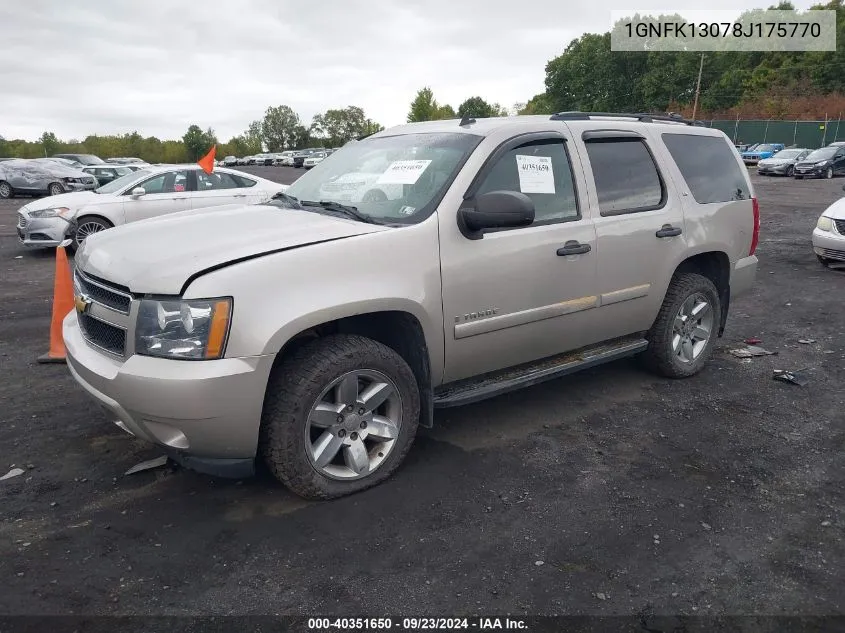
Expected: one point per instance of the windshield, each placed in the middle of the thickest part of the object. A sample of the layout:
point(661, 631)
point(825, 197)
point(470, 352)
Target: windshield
point(822, 154)
point(790, 153)
point(394, 179)
point(119, 183)
point(764, 148)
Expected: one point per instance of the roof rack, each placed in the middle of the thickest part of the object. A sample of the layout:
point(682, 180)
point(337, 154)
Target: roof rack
point(643, 117)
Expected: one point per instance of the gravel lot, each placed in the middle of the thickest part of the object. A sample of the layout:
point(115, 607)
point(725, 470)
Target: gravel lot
point(608, 492)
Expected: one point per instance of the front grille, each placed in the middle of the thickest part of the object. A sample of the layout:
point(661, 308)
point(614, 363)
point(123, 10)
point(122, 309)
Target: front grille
point(40, 237)
point(832, 254)
point(108, 337)
point(99, 292)
point(22, 221)
point(840, 226)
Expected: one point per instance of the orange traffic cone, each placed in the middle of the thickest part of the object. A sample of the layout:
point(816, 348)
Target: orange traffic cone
point(62, 304)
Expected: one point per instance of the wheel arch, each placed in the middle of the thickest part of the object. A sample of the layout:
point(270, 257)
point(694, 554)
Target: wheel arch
point(401, 330)
point(715, 265)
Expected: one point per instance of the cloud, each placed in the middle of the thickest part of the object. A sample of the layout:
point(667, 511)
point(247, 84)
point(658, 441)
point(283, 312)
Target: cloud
point(113, 67)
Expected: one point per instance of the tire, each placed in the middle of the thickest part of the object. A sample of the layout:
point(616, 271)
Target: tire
point(823, 260)
point(303, 381)
point(55, 189)
point(790, 171)
point(6, 190)
point(87, 225)
point(666, 348)
point(829, 173)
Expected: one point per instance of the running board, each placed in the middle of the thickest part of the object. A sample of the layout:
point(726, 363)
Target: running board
point(513, 378)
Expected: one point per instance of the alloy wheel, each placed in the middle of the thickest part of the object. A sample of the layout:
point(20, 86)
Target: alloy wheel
point(353, 426)
point(692, 328)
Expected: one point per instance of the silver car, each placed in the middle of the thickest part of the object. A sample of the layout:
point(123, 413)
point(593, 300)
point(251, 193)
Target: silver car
point(782, 163)
point(829, 234)
point(42, 176)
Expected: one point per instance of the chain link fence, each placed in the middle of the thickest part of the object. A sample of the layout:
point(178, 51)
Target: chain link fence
point(809, 134)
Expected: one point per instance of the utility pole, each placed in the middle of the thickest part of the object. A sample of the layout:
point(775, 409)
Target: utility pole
point(698, 87)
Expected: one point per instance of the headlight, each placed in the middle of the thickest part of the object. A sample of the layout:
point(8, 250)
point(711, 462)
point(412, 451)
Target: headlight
point(824, 163)
point(77, 180)
point(50, 213)
point(824, 224)
point(194, 329)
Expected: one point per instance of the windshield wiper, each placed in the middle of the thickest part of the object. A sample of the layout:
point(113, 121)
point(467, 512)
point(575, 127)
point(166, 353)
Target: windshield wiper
point(287, 198)
point(348, 211)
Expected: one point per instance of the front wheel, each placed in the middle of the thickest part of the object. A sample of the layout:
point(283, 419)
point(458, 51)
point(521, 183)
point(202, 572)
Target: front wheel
point(88, 226)
point(823, 260)
point(829, 173)
point(339, 416)
point(55, 189)
point(790, 171)
point(684, 333)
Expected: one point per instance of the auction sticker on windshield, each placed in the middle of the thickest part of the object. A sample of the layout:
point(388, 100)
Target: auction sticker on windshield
point(535, 174)
point(403, 172)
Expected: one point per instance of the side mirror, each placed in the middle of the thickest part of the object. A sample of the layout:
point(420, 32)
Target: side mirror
point(137, 192)
point(495, 210)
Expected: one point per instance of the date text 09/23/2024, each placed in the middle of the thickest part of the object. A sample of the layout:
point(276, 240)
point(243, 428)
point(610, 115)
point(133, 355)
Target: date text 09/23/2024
point(415, 624)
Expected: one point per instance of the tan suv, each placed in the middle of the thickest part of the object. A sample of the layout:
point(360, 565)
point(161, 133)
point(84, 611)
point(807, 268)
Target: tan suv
point(429, 265)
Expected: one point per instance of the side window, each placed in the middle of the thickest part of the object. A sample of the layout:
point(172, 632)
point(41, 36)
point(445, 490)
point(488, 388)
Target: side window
point(214, 181)
point(169, 182)
point(542, 171)
point(709, 167)
point(627, 180)
point(244, 182)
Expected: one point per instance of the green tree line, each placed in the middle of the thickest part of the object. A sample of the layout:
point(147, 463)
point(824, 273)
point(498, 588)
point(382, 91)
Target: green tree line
point(280, 129)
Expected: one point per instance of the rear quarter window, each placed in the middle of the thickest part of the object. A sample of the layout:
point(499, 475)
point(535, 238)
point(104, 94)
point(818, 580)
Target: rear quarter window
point(709, 167)
point(244, 182)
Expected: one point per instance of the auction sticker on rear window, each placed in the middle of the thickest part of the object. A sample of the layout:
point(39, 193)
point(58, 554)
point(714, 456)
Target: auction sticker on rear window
point(535, 174)
point(403, 172)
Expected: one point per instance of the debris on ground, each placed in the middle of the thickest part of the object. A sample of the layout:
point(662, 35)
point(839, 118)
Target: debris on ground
point(706, 526)
point(798, 377)
point(753, 341)
point(12, 473)
point(807, 341)
point(539, 563)
point(148, 465)
point(601, 596)
point(751, 351)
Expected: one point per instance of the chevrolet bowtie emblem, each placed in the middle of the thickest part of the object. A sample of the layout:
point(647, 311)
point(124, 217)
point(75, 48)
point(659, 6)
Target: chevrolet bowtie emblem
point(82, 303)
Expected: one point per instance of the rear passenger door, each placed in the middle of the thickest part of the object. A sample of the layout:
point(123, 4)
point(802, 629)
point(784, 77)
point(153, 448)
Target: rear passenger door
point(216, 188)
point(639, 224)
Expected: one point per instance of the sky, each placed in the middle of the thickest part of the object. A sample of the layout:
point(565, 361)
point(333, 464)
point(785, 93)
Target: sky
point(77, 67)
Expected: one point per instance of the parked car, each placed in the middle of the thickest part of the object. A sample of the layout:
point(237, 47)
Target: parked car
point(147, 193)
point(299, 158)
point(230, 161)
point(41, 176)
point(287, 158)
point(836, 144)
point(330, 386)
point(826, 162)
point(126, 161)
point(761, 151)
point(829, 234)
point(314, 159)
point(84, 159)
point(106, 173)
point(783, 163)
point(265, 159)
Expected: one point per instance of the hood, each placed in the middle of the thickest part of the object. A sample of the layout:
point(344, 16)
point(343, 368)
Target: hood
point(73, 200)
point(774, 160)
point(159, 255)
point(836, 210)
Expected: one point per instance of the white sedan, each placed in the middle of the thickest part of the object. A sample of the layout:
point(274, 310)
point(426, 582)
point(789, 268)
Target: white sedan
point(147, 193)
point(314, 159)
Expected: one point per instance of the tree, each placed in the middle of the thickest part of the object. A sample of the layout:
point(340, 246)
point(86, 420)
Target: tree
point(253, 138)
point(423, 107)
point(195, 142)
point(278, 130)
point(50, 143)
point(478, 108)
point(337, 127)
point(445, 112)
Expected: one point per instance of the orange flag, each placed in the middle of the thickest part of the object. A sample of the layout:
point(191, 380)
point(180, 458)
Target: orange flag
point(207, 161)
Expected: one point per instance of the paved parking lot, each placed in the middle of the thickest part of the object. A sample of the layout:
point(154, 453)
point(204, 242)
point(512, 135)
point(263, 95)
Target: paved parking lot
point(609, 492)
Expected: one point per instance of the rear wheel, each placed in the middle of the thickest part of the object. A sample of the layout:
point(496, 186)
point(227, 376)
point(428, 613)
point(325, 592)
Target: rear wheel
point(55, 189)
point(682, 338)
point(88, 225)
point(790, 171)
point(339, 416)
point(5, 190)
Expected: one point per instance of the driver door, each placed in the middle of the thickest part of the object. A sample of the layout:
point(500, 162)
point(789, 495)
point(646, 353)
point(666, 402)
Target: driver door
point(167, 192)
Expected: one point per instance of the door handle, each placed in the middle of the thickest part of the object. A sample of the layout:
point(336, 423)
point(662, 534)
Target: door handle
point(184, 198)
point(239, 195)
point(573, 247)
point(667, 230)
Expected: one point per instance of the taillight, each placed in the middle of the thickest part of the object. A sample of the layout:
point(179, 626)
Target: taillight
point(755, 237)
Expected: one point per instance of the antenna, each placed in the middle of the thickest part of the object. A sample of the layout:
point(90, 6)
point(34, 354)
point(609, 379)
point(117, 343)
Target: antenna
point(467, 120)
